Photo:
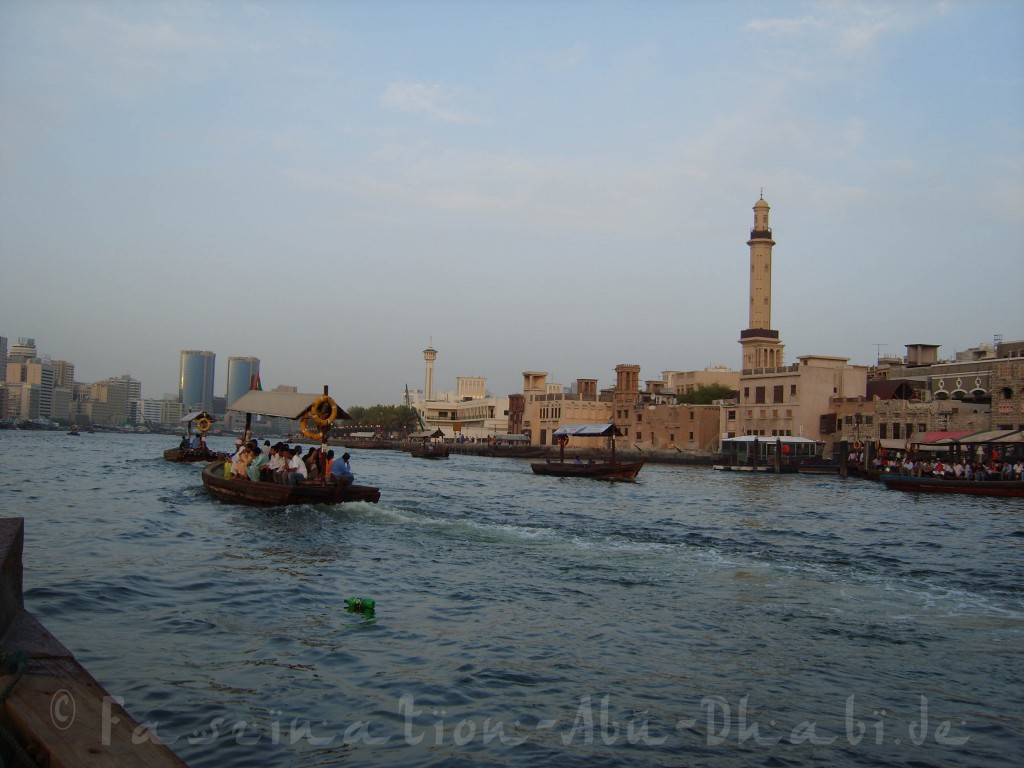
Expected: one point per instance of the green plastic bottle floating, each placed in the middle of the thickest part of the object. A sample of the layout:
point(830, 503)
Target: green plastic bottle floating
point(360, 604)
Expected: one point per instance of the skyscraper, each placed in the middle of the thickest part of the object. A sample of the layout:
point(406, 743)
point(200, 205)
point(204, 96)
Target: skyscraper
point(243, 372)
point(195, 383)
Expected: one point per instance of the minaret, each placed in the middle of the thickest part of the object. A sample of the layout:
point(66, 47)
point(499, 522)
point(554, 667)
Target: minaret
point(429, 355)
point(761, 346)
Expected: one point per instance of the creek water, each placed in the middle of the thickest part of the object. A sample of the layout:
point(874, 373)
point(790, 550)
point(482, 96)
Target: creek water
point(692, 618)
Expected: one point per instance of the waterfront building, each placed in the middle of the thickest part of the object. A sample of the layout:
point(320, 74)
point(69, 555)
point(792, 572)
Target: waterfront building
point(547, 406)
point(195, 381)
point(108, 402)
point(683, 382)
point(3, 359)
point(35, 398)
point(63, 374)
point(165, 413)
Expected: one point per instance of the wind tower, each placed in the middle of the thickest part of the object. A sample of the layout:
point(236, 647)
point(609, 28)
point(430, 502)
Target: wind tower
point(429, 356)
point(761, 346)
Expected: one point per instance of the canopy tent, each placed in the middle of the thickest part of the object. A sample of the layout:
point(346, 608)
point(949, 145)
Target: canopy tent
point(588, 430)
point(288, 405)
point(937, 438)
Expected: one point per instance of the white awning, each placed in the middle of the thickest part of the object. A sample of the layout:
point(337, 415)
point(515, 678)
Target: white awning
point(587, 430)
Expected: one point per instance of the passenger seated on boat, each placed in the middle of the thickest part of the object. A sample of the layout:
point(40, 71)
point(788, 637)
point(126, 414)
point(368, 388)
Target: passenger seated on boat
point(241, 461)
point(274, 463)
point(341, 471)
point(294, 470)
point(1018, 470)
point(184, 444)
point(578, 461)
point(958, 470)
point(196, 442)
point(327, 464)
point(259, 459)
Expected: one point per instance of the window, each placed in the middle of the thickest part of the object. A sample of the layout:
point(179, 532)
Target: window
point(777, 393)
point(730, 415)
point(895, 431)
point(746, 393)
point(691, 415)
point(792, 390)
point(759, 395)
point(691, 436)
point(883, 431)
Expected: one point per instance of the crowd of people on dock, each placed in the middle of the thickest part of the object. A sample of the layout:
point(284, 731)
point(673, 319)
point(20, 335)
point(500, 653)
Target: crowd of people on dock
point(282, 463)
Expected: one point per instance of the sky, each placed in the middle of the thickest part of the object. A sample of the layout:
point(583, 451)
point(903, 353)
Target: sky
point(556, 186)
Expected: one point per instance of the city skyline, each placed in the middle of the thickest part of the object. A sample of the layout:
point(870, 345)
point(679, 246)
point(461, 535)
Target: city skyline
point(532, 186)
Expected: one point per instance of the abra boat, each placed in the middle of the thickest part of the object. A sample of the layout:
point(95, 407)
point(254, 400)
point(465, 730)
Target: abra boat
point(753, 453)
point(612, 469)
point(203, 422)
point(428, 445)
point(953, 485)
point(316, 415)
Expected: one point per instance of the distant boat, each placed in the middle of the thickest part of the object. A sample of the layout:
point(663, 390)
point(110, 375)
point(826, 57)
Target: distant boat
point(612, 469)
point(203, 421)
point(74, 432)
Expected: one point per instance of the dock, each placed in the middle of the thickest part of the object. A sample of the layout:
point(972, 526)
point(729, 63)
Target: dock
point(52, 711)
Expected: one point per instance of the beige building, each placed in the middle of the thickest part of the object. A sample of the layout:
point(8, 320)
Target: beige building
point(682, 382)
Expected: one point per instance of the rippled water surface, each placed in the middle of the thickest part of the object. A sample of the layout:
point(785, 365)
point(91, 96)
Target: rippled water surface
point(694, 618)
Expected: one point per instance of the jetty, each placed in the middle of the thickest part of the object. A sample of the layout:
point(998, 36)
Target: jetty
point(52, 711)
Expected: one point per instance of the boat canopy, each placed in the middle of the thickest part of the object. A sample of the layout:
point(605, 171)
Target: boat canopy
point(937, 438)
point(196, 415)
point(513, 438)
point(790, 440)
point(426, 434)
point(588, 430)
point(288, 405)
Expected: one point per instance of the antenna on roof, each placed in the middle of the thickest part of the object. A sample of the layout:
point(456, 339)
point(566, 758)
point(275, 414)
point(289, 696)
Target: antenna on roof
point(878, 351)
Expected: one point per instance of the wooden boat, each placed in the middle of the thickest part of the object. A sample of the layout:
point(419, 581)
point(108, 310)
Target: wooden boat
point(316, 415)
point(953, 485)
point(193, 455)
point(612, 469)
point(74, 432)
point(430, 451)
point(203, 421)
point(255, 493)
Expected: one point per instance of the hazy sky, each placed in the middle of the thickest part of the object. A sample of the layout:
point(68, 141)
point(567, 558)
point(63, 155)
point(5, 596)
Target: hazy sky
point(557, 186)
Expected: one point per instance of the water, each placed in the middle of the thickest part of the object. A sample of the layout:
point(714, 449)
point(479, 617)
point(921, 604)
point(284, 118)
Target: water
point(694, 618)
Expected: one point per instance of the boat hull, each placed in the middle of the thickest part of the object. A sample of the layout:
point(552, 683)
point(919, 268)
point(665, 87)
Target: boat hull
point(622, 471)
point(236, 490)
point(429, 453)
point(944, 485)
point(190, 455)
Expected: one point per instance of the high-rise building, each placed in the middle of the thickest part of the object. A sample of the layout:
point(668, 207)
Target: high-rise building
point(195, 382)
point(3, 358)
point(63, 374)
point(243, 373)
point(23, 351)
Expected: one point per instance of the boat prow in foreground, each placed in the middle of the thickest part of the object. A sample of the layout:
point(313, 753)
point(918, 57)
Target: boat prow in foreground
point(953, 485)
point(235, 490)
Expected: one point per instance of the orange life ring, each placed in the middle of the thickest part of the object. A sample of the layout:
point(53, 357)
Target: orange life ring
point(563, 439)
point(203, 424)
point(857, 446)
point(311, 433)
point(314, 410)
